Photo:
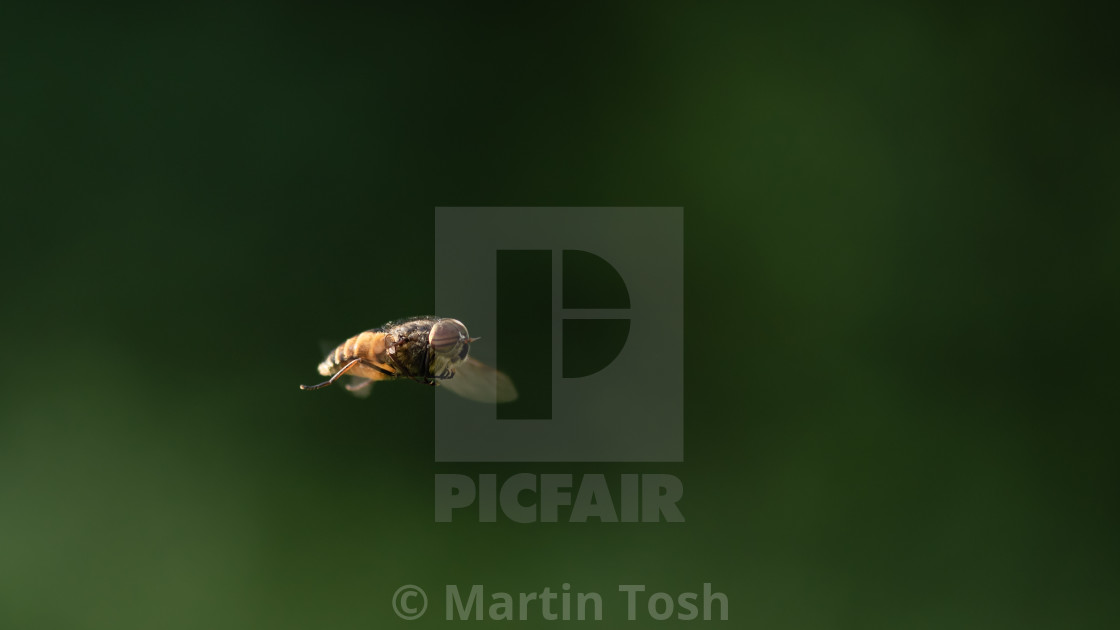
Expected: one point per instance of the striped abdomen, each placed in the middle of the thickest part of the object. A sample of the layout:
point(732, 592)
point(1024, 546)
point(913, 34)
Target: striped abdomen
point(369, 345)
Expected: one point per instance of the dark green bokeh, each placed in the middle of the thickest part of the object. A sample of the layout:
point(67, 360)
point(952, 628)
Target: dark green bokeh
point(901, 236)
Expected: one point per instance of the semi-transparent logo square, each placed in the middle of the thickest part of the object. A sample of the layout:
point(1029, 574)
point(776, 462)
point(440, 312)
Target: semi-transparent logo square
point(584, 309)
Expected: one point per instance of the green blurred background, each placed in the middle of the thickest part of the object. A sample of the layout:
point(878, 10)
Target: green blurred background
point(901, 236)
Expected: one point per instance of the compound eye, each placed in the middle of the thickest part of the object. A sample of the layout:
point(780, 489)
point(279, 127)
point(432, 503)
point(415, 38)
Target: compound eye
point(447, 334)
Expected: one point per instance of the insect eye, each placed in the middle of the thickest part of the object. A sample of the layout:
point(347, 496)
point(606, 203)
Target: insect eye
point(446, 334)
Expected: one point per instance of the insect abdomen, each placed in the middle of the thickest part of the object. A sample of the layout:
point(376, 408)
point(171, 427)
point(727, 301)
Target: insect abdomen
point(367, 345)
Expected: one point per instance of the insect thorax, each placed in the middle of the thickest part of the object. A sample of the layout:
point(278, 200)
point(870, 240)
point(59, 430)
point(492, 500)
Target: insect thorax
point(407, 342)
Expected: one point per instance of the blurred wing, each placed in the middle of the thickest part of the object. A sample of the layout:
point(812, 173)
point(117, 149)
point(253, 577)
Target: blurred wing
point(479, 382)
point(360, 387)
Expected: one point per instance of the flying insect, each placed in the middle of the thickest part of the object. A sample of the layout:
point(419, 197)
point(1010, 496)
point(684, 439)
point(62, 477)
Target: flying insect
point(429, 350)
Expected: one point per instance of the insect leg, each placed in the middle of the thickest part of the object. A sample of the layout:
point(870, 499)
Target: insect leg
point(372, 365)
point(334, 377)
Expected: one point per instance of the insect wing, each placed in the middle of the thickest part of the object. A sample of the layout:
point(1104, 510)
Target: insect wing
point(474, 380)
point(360, 387)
